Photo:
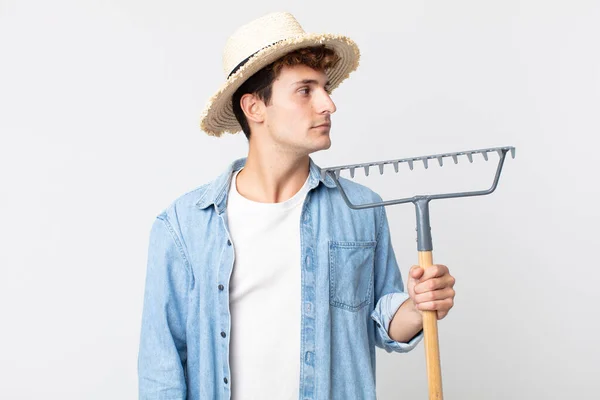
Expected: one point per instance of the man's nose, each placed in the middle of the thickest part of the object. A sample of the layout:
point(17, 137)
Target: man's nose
point(327, 104)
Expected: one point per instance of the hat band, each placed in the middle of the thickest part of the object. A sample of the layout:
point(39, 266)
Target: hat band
point(244, 61)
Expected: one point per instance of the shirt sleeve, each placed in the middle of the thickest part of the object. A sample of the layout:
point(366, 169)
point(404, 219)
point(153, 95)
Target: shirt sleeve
point(162, 351)
point(389, 291)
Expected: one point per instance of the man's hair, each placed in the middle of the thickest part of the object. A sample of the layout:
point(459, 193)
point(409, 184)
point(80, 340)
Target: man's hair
point(261, 83)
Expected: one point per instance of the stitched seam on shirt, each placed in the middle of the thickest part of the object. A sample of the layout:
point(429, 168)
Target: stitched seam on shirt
point(165, 220)
point(303, 245)
point(332, 273)
point(176, 240)
point(205, 187)
point(382, 218)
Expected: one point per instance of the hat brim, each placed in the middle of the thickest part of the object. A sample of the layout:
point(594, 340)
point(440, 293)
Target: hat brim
point(218, 118)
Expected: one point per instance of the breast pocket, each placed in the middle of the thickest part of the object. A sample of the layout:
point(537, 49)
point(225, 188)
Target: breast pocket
point(351, 274)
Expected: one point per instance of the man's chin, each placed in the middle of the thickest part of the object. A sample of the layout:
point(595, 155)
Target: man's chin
point(324, 145)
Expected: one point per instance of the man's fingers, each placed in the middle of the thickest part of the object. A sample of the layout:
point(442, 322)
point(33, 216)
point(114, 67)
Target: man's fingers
point(438, 305)
point(434, 289)
point(434, 284)
point(434, 296)
point(416, 272)
point(435, 271)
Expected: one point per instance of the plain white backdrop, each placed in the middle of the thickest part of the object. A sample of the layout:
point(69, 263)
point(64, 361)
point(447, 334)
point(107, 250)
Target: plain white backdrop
point(99, 124)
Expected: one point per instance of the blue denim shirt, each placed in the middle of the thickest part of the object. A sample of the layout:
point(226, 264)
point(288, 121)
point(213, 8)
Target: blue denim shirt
point(351, 288)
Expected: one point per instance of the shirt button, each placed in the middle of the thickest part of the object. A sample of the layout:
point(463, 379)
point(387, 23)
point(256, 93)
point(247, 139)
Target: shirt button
point(221, 287)
point(378, 325)
point(228, 242)
point(223, 334)
point(225, 380)
point(309, 358)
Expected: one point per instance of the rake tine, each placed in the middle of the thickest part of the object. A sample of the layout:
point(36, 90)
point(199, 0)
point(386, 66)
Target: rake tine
point(396, 166)
point(470, 157)
point(337, 174)
point(366, 170)
point(352, 172)
point(410, 164)
point(499, 151)
point(484, 154)
point(440, 161)
point(425, 163)
point(455, 158)
point(512, 152)
point(380, 169)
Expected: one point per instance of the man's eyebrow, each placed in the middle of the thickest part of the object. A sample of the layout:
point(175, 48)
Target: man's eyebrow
point(310, 81)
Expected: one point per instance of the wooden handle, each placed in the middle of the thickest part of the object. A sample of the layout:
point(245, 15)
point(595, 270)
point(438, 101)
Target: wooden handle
point(432, 347)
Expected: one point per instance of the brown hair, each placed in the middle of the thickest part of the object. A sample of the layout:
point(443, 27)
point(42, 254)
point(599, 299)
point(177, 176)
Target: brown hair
point(261, 83)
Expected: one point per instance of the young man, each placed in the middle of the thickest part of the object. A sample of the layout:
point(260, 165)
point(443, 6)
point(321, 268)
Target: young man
point(263, 284)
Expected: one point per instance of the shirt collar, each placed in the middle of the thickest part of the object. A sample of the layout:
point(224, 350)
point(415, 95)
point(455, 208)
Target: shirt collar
point(217, 190)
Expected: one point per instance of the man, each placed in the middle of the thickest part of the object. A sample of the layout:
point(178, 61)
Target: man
point(262, 284)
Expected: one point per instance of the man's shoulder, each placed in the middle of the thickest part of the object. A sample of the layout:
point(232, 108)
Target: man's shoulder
point(200, 197)
point(357, 192)
point(195, 199)
point(184, 202)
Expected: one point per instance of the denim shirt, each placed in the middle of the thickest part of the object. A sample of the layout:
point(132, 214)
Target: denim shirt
point(351, 288)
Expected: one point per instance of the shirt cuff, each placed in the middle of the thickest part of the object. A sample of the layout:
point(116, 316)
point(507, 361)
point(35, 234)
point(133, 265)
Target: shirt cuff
point(382, 315)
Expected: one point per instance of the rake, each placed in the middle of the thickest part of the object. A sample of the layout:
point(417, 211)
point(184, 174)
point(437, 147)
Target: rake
point(424, 243)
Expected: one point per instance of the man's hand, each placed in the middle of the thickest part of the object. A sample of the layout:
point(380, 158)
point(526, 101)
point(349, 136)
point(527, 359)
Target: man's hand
point(431, 289)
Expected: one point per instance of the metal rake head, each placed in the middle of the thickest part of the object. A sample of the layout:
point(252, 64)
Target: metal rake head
point(335, 172)
point(411, 161)
point(421, 202)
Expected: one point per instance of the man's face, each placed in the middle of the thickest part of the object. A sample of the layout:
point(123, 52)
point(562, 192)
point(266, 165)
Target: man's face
point(297, 119)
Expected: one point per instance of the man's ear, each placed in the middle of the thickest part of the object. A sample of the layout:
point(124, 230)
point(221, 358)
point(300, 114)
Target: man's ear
point(253, 108)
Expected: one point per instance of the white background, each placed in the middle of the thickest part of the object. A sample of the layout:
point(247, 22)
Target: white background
point(99, 125)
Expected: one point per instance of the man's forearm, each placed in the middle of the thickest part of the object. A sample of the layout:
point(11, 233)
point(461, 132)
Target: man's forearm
point(406, 323)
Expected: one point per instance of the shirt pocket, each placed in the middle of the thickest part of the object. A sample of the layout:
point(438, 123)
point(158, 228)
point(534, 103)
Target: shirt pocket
point(351, 274)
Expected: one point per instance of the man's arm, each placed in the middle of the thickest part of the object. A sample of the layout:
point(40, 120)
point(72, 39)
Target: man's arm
point(432, 290)
point(397, 312)
point(407, 322)
point(163, 352)
point(390, 297)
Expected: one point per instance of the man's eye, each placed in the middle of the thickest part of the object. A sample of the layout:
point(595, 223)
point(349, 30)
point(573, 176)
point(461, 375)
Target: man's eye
point(305, 90)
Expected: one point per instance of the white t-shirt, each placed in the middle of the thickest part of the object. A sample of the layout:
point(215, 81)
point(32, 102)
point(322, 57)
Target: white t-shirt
point(264, 296)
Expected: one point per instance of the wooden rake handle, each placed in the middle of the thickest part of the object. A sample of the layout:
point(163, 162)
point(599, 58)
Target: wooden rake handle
point(432, 347)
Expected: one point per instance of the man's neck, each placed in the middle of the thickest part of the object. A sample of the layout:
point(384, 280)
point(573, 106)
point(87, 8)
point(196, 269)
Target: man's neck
point(271, 176)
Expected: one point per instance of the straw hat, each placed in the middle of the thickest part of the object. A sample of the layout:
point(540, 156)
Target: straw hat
point(258, 44)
